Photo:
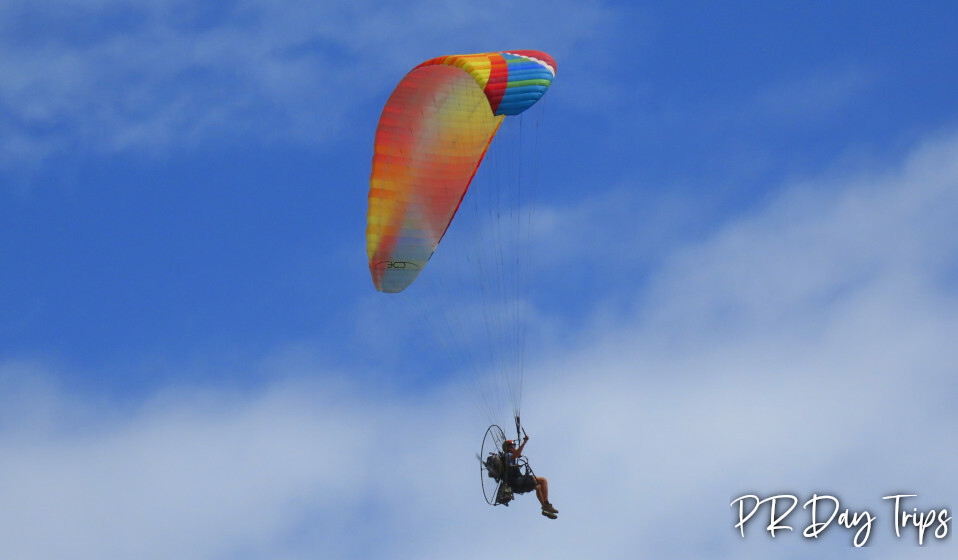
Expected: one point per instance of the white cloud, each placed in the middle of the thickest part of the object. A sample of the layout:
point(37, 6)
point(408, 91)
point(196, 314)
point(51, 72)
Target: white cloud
point(121, 75)
point(186, 474)
point(825, 242)
point(806, 348)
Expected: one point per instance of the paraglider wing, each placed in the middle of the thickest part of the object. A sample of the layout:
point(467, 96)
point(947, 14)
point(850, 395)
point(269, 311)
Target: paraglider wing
point(431, 138)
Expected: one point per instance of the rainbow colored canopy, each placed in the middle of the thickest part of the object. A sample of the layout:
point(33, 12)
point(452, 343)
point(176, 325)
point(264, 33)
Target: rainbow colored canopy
point(431, 138)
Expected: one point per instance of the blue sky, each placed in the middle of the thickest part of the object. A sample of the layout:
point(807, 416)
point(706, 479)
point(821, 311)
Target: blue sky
point(759, 199)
